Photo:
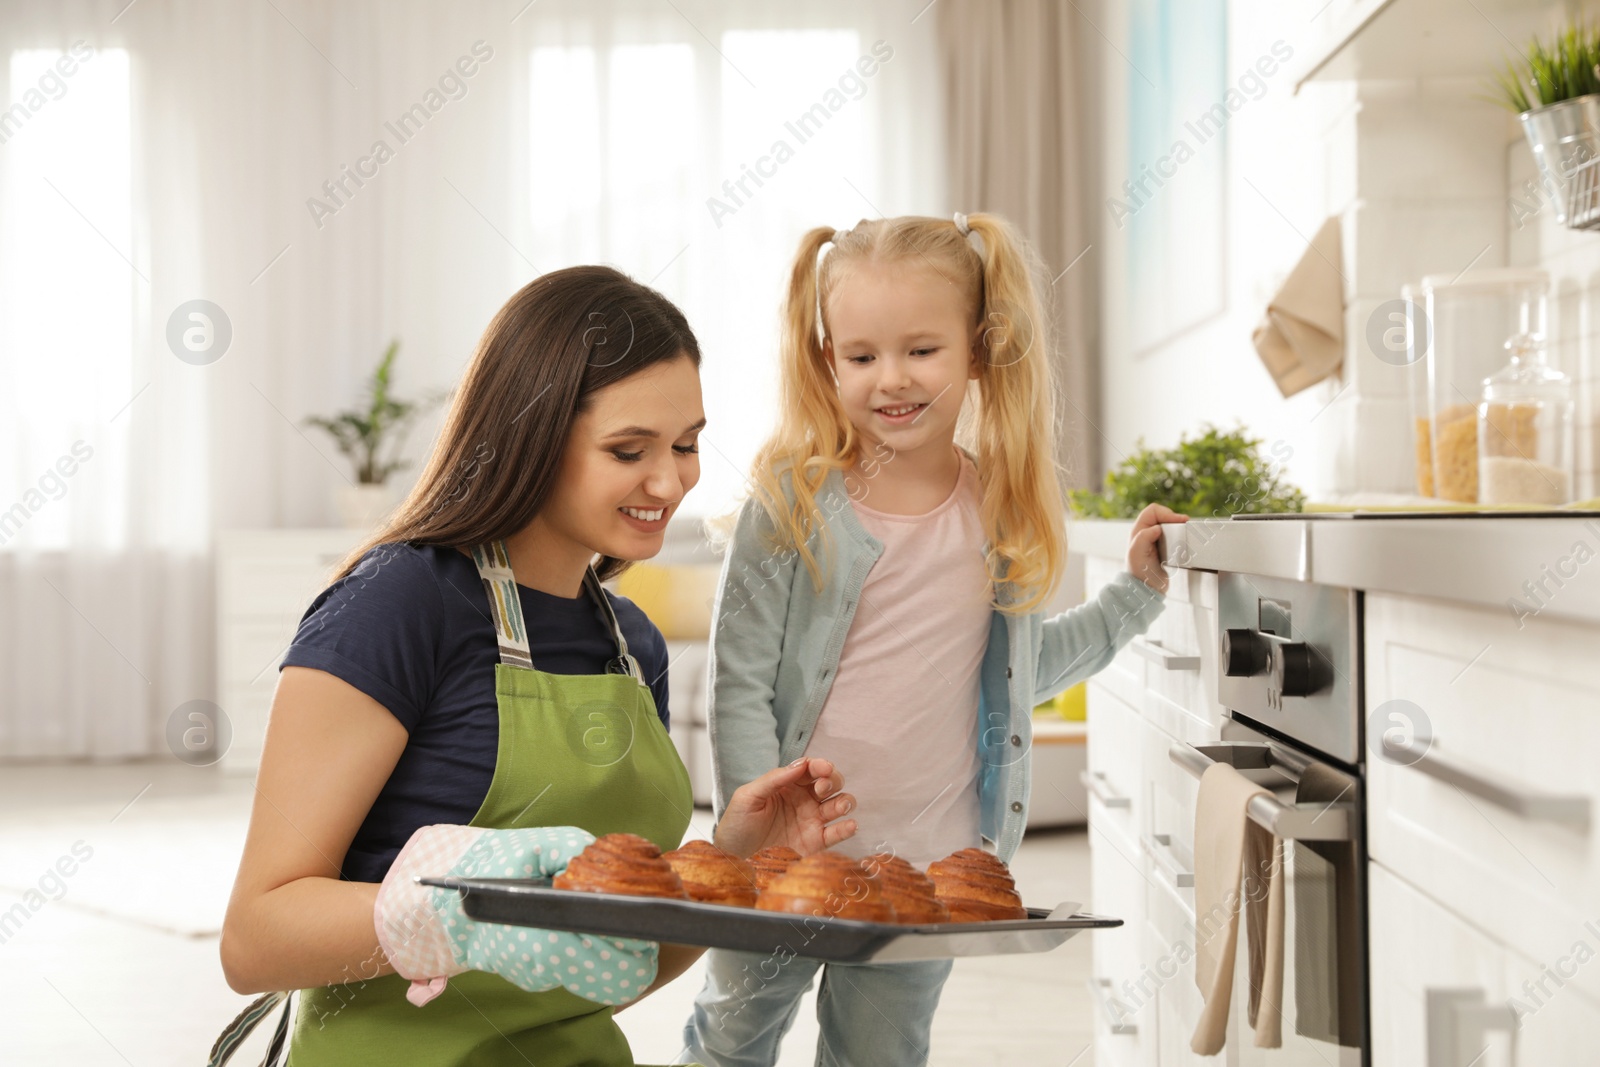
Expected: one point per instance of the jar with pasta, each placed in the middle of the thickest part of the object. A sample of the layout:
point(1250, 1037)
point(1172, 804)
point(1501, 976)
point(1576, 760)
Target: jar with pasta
point(1524, 430)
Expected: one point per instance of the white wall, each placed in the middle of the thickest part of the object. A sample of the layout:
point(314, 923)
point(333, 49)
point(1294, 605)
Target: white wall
point(1277, 195)
point(1422, 174)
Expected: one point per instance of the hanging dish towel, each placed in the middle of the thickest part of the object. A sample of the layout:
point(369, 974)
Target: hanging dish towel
point(1301, 337)
point(1237, 866)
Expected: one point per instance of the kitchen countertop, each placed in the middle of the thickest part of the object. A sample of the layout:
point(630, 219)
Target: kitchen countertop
point(1484, 560)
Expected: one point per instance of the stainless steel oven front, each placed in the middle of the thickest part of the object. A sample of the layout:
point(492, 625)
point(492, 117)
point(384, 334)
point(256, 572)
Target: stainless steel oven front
point(1289, 679)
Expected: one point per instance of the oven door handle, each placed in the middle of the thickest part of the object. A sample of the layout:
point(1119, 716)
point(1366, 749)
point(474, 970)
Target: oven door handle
point(1167, 661)
point(1531, 804)
point(1291, 822)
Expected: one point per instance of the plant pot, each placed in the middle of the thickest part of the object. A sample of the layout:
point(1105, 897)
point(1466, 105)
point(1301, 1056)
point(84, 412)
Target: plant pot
point(1563, 136)
point(361, 507)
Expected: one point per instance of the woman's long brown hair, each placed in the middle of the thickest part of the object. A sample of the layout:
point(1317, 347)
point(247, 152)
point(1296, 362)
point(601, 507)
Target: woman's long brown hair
point(562, 337)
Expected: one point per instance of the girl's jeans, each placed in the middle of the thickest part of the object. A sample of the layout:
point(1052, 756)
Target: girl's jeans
point(877, 1014)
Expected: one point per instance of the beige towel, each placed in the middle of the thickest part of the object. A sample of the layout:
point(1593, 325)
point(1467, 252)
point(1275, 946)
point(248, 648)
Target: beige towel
point(1301, 337)
point(1227, 845)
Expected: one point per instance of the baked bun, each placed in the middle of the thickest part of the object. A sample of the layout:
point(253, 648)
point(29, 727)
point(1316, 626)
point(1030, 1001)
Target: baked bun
point(625, 864)
point(771, 862)
point(976, 887)
point(828, 884)
point(712, 875)
point(910, 892)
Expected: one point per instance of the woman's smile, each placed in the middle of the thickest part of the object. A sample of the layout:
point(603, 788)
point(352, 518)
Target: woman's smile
point(646, 520)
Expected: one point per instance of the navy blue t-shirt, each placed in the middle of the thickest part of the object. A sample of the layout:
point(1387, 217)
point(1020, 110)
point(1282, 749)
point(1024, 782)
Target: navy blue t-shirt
point(410, 627)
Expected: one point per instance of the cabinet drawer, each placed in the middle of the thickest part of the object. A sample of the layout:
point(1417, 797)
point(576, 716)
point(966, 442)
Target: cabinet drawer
point(277, 572)
point(1418, 945)
point(1168, 973)
point(1515, 710)
point(1114, 761)
point(1124, 1017)
point(247, 709)
point(1169, 797)
point(248, 653)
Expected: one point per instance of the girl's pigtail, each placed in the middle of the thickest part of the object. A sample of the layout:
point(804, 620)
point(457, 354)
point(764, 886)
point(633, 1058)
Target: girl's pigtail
point(807, 400)
point(1022, 502)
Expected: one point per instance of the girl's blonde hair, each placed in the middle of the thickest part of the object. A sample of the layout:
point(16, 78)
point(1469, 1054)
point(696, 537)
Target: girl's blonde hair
point(1012, 432)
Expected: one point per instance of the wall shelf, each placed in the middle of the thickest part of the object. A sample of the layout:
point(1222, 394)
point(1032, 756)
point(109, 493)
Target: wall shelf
point(1366, 40)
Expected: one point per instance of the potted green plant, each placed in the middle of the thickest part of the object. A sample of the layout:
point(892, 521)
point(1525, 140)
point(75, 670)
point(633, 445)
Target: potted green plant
point(372, 436)
point(1212, 476)
point(1555, 90)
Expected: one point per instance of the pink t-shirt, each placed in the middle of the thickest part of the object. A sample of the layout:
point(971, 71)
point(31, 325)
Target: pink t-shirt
point(901, 720)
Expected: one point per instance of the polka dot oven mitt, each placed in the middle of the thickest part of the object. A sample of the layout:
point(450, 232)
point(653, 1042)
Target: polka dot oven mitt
point(427, 937)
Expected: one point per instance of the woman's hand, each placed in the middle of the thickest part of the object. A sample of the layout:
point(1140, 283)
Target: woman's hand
point(795, 805)
point(1144, 562)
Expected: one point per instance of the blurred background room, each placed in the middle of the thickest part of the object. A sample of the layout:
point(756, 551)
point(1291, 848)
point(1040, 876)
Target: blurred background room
point(247, 248)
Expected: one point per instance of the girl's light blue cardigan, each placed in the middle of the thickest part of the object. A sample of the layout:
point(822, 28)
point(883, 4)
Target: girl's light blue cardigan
point(776, 641)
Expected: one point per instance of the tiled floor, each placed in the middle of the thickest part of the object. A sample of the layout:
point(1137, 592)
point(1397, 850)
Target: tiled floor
point(117, 963)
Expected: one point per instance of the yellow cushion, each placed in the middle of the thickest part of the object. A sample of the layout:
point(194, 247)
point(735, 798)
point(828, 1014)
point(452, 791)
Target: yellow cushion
point(678, 599)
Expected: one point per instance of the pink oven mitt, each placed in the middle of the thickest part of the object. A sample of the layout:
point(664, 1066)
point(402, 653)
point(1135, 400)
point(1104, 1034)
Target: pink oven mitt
point(428, 938)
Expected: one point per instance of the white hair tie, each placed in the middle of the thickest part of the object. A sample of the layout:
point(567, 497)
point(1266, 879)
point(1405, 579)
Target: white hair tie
point(961, 224)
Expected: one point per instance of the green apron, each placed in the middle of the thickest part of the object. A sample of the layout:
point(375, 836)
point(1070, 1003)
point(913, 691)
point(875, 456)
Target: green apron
point(575, 750)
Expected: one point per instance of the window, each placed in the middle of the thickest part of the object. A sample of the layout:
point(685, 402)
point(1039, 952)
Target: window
point(640, 139)
point(66, 288)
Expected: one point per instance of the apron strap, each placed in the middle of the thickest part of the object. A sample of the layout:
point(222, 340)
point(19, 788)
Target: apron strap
point(245, 1022)
point(494, 567)
point(624, 663)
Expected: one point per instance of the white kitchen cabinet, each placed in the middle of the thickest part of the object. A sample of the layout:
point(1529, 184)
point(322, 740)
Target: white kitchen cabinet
point(1157, 691)
point(1125, 1019)
point(1517, 711)
point(1167, 973)
point(1114, 779)
point(1557, 1021)
point(1418, 946)
point(265, 581)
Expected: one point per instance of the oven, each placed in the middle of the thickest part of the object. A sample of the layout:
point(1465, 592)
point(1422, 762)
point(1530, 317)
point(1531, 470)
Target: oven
point(1289, 683)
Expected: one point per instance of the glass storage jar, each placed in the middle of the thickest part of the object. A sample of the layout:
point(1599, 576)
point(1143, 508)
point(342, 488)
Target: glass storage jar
point(1463, 336)
point(1525, 430)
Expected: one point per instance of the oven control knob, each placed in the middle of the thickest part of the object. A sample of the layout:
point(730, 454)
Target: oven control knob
point(1293, 669)
point(1244, 653)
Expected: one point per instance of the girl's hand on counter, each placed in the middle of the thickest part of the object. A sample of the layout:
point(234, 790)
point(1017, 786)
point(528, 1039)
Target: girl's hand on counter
point(1144, 562)
point(801, 805)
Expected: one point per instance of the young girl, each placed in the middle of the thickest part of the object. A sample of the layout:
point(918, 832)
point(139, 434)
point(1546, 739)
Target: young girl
point(881, 594)
point(466, 699)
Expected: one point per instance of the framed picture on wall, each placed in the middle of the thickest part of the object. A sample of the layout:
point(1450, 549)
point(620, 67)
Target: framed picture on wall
point(1174, 201)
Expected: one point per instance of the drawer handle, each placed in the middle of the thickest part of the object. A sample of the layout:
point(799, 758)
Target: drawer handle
point(1457, 1019)
point(1161, 844)
point(1167, 661)
point(1100, 989)
point(1292, 822)
point(1566, 810)
point(1095, 783)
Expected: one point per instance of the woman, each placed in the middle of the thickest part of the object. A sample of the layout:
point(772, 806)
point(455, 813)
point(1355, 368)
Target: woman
point(466, 680)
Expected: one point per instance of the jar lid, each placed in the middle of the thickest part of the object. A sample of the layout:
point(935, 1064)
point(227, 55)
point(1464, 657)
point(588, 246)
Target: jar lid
point(1494, 278)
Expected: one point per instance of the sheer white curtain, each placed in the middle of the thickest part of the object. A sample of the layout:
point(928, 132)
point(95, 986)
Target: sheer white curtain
point(229, 152)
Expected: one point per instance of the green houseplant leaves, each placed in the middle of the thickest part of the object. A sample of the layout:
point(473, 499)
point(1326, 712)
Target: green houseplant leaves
point(1215, 475)
point(363, 434)
point(1548, 74)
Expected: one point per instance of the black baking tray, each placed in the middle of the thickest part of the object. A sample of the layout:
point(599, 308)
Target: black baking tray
point(532, 902)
